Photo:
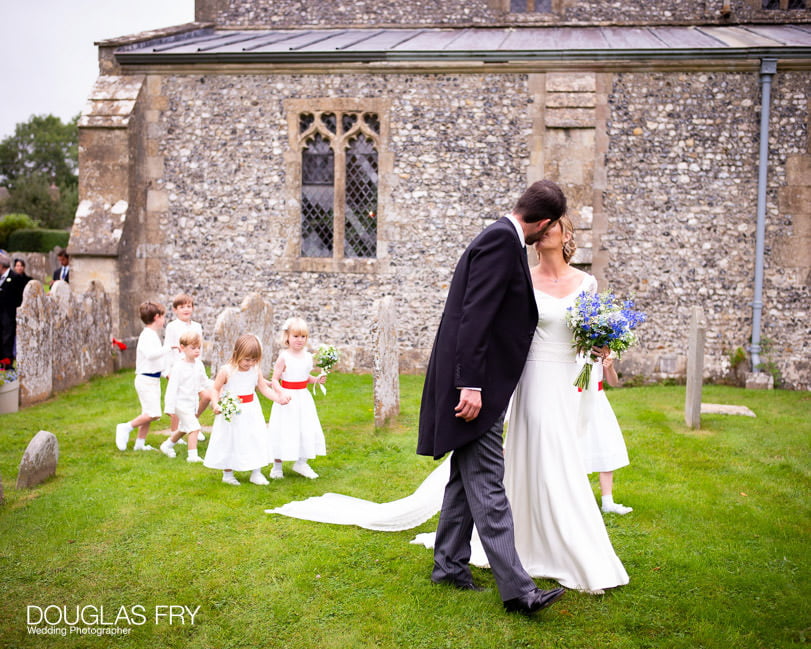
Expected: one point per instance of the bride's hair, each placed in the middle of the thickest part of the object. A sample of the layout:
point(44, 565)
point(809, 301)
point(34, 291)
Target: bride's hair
point(569, 246)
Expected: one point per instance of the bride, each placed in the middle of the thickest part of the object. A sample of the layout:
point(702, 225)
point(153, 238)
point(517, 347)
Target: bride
point(559, 531)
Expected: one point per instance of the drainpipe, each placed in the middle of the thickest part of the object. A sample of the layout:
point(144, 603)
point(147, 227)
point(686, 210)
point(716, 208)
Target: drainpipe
point(768, 68)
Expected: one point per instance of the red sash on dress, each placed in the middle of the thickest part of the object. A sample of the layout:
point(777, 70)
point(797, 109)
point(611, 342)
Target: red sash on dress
point(245, 398)
point(295, 385)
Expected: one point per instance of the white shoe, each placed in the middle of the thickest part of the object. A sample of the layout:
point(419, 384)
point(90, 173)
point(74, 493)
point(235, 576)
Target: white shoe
point(596, 591)
point(302, 468)
point(122, 436)
point(276, 473)
point(258, 478)
point(228, 478)
point(616, 508)
point(195, 458)
point(167, 450)
point(201, 437)
point(182, 440)
point(145, 447)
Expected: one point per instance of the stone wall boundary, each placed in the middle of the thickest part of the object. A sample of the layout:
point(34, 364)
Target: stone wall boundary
point(63, 339)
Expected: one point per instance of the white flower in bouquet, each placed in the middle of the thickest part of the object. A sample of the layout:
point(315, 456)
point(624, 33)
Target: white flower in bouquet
point(229, 405)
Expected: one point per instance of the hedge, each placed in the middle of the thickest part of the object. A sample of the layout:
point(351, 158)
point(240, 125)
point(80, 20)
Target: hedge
point(39, 240)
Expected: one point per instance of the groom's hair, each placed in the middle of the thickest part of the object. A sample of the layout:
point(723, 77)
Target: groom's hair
point(542, 200)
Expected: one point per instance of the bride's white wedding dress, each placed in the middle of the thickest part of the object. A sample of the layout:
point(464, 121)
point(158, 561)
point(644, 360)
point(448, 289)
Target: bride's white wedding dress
point(559, 529)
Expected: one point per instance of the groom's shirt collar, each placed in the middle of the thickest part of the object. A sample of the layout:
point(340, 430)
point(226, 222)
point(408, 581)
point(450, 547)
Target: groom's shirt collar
point(518, 230)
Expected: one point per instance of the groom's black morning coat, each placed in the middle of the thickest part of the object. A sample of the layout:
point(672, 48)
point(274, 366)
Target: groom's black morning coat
point(483, 339)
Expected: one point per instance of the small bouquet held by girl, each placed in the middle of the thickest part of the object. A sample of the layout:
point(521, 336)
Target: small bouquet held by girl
point(326, 357)
point(600, 320)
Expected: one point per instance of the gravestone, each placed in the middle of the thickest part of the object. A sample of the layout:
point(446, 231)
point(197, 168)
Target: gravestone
point(386, 370)
point(695, 368)
point(39, 460)
point(253, 316)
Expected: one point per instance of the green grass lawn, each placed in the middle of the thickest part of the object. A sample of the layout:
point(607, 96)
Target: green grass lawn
point(717, 547)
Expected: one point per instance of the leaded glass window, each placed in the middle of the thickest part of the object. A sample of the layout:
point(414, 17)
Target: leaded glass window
point(339, 183)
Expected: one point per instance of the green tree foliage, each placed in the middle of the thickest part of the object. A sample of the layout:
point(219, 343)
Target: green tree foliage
point(11, 223)
point(40, 158)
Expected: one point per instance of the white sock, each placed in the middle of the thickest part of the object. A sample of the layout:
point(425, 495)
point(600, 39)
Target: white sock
point(192, 452)
point(608, 500)
point(256, 473)
point(139, 443)
point(277, 465)
point(170, 443)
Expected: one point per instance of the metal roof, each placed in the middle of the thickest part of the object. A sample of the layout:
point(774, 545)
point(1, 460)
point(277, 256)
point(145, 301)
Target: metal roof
point(501, 44)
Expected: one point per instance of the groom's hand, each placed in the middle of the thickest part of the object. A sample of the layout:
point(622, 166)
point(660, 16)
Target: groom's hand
point(470, 403)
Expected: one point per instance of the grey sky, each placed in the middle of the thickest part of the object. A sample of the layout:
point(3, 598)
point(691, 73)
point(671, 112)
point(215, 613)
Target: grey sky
point(47, 58)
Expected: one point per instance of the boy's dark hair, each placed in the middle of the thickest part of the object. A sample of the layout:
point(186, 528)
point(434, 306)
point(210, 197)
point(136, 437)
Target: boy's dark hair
point(181, 299)
point(541, 200)
point(149, 311)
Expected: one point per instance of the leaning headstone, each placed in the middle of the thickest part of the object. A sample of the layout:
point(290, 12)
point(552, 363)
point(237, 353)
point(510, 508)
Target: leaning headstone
point(386, 372)
point(253, 316)
point(39, 460)
point(695, 368)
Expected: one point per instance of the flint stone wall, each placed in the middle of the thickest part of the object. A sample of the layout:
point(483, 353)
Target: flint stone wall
point(63, 339)
point(679, 204)
point(681, 198)
point(39, 460)
point(223, 142)
point(291, 13)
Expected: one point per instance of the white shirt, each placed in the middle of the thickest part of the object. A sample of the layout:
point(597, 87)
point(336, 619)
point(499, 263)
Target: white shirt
point(174, 330)
point(518, 229)
point(185, 384)
point(149, 353)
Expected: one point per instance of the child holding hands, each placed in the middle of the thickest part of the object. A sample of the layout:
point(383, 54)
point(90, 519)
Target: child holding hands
point(148, 365)
point(188, 383)
point(603, 446)
point(239, 441)
point(295, 431)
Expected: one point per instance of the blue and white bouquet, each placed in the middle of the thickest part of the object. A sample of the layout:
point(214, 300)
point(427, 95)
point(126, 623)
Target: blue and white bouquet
point(326, 357)
point(601, 320)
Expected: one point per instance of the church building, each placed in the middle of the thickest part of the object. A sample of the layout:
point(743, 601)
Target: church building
point(327, 153)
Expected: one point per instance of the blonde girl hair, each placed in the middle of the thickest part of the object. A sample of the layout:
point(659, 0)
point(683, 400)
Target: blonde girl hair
point(292, 326)
point(569, 246)
point(247, 347)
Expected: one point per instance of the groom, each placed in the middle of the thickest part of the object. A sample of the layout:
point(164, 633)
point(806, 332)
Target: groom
point(478, 356)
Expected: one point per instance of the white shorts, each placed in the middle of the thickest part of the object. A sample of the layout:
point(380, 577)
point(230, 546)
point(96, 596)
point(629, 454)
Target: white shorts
point(149, 393)
point(187, 421)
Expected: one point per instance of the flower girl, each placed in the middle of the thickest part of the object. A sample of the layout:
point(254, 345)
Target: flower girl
point(238, 437)
point(295, 432)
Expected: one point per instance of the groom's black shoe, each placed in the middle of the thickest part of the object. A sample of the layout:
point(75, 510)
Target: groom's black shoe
point(461, 585)
point(533, 601)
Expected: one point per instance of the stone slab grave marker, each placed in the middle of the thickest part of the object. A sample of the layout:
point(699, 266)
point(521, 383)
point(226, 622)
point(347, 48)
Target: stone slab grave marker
point(39, 460)
point(386, 373)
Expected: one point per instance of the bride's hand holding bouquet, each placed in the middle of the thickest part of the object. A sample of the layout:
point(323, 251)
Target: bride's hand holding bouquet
point(599, 320)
